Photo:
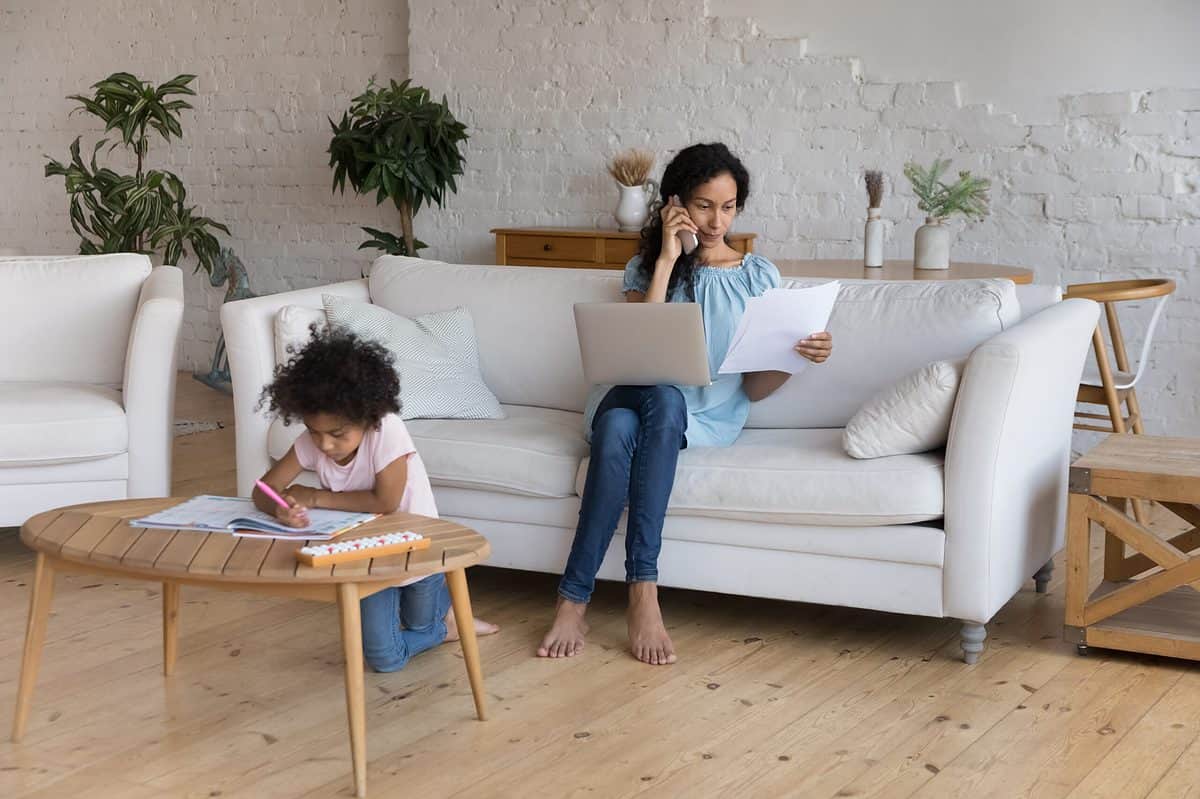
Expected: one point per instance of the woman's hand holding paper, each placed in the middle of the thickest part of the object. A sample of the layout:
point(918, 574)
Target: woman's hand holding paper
point(817, 347)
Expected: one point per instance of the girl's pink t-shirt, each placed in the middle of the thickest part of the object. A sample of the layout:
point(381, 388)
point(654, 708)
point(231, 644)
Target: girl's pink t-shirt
point(379, 448)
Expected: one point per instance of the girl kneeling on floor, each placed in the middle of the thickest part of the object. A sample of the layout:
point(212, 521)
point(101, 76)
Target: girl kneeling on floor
point(346, 390)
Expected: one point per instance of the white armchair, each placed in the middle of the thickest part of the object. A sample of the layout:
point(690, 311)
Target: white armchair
point(87, 379)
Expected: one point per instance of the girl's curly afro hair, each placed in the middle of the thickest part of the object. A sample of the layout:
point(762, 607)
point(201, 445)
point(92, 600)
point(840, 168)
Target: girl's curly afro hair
point(336, 373)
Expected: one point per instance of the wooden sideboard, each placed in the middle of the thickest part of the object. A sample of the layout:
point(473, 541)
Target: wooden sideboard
point(585, 248)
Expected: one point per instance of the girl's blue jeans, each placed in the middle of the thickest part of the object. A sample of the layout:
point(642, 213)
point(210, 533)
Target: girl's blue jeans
point(637, 433)
point(421, 608)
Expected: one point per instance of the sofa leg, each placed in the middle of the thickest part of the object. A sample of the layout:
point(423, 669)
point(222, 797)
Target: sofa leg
point(1041, 578)
point(971, 638)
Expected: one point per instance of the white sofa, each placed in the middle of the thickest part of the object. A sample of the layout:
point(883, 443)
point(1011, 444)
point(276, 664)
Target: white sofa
point(87, 380)
point(783, 513)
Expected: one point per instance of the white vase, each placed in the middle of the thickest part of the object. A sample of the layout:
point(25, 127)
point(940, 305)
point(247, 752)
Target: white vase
point(931, 248)
point(873, 239)
point(634, 206)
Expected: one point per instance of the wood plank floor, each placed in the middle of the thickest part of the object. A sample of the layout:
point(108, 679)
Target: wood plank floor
point(769, 699)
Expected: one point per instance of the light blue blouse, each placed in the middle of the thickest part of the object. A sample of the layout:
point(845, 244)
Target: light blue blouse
point(717, 412)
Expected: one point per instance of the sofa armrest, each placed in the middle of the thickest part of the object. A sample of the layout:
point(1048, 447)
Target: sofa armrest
point(1007, 457)
point(249, 327)
point(148, 390)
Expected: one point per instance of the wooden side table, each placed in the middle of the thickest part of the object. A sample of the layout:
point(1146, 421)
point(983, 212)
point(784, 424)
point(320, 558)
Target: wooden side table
point(586, 248)
point(1148, 601)
point(97, 538)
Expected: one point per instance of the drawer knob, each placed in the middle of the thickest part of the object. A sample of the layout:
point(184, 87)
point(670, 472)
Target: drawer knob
point(546, 246)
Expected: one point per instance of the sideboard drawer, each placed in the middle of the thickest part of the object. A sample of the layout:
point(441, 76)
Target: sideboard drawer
point(619, 251)
point(578, 248)
point(549, 247)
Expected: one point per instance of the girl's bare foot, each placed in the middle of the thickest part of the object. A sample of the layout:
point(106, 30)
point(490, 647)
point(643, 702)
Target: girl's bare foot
point(481, 627)
point(648, 639)
point(565, 638)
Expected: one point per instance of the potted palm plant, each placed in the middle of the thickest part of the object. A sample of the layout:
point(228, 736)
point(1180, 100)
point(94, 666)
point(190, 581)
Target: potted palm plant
point(967, 196)
point(397, 142)
point(146, 212)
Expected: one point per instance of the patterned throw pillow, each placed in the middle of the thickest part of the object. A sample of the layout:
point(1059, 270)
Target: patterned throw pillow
point(436, 358)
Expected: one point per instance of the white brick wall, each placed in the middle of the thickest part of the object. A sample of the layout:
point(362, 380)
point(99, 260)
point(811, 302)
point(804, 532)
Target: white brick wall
point(1110, 190)
point(550, 90)
point(253, 153)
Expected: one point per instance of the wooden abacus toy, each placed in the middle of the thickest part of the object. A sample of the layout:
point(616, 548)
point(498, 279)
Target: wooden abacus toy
point(372, 546)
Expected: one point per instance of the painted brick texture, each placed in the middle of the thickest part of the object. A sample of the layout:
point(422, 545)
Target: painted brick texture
point(1111, 190)
point(550, 91)
point(253, 153)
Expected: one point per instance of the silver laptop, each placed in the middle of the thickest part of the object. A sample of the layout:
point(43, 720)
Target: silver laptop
point(642, 343)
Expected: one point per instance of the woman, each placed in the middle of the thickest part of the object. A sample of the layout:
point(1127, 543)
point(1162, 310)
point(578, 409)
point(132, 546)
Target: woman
point(638, 431)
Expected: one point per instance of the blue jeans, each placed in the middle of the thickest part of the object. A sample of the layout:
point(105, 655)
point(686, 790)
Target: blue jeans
point(420, 607)
point(637, 433)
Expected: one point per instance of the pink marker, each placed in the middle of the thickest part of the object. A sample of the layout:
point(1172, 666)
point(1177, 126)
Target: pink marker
point(270, 492)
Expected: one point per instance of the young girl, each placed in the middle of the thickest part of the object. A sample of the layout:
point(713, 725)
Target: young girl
point(345, 391)
point(638, 431)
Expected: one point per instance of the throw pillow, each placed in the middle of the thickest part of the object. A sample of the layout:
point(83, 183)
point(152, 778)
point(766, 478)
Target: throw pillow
point(293, 329)
point(910, 416)
point(436, 358)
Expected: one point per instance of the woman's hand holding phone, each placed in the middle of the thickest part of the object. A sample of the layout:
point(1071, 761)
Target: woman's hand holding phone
point(675, 221)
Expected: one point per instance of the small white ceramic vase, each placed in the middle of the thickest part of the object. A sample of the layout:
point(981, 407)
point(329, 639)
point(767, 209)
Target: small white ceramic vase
point(873, 239)
point(634, 207)
point(931, 248)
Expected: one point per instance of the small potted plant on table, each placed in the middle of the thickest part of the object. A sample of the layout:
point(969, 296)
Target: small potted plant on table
point(939, 200)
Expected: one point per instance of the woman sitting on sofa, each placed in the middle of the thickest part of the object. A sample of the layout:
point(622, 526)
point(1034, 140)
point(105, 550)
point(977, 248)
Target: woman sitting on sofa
point(637, 431)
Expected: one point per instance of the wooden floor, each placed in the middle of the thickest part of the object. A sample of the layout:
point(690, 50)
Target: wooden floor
point(769, 699)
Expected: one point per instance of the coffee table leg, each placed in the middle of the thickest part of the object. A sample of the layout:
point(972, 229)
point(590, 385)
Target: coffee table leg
point(170, 626)
point(461, 600)
point(355, 704)
point(35, 635)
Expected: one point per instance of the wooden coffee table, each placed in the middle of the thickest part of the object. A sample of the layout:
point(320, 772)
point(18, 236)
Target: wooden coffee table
point(1148, 601)
point(97, 538)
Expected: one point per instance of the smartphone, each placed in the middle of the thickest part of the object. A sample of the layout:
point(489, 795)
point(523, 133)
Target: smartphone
point(687, 239)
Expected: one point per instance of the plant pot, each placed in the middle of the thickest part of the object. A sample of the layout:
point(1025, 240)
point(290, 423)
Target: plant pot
point(634, 207)
point(873, 239)
point(931, 248)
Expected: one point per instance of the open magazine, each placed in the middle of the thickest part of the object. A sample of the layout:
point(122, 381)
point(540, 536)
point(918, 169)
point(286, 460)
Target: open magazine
point(238, 515)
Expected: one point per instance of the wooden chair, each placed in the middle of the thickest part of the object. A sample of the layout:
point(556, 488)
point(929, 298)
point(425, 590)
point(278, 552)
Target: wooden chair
point(1111, 387)
point(1105, 385)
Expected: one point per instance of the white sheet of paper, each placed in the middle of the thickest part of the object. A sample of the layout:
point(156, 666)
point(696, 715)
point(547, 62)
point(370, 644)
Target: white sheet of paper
point(773, 323)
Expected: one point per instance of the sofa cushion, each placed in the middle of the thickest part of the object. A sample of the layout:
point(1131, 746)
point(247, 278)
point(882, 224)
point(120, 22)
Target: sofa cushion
point(47, 423)
point(912, 415)
point(293, 329)
point(67, 318)
point(533, 452)
point(1033, 298)
point(882, 331)
point(524, 319)
point(803, 477)
point(435, 355)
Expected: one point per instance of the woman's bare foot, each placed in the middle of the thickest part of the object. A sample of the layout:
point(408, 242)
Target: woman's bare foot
point(648, 639)
point(565, 638)
point(481, 627)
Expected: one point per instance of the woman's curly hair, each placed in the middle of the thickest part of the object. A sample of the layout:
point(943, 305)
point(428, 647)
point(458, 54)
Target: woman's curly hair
point(691, 168)
point(336, 373)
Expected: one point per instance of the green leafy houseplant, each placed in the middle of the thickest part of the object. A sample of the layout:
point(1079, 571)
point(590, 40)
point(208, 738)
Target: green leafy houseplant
point(402, 145)
point(939, 200)
point(147, 211)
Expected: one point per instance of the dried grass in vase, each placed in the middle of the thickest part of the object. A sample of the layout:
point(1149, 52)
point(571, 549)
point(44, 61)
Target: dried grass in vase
point(874, 181)
point(631, 167)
